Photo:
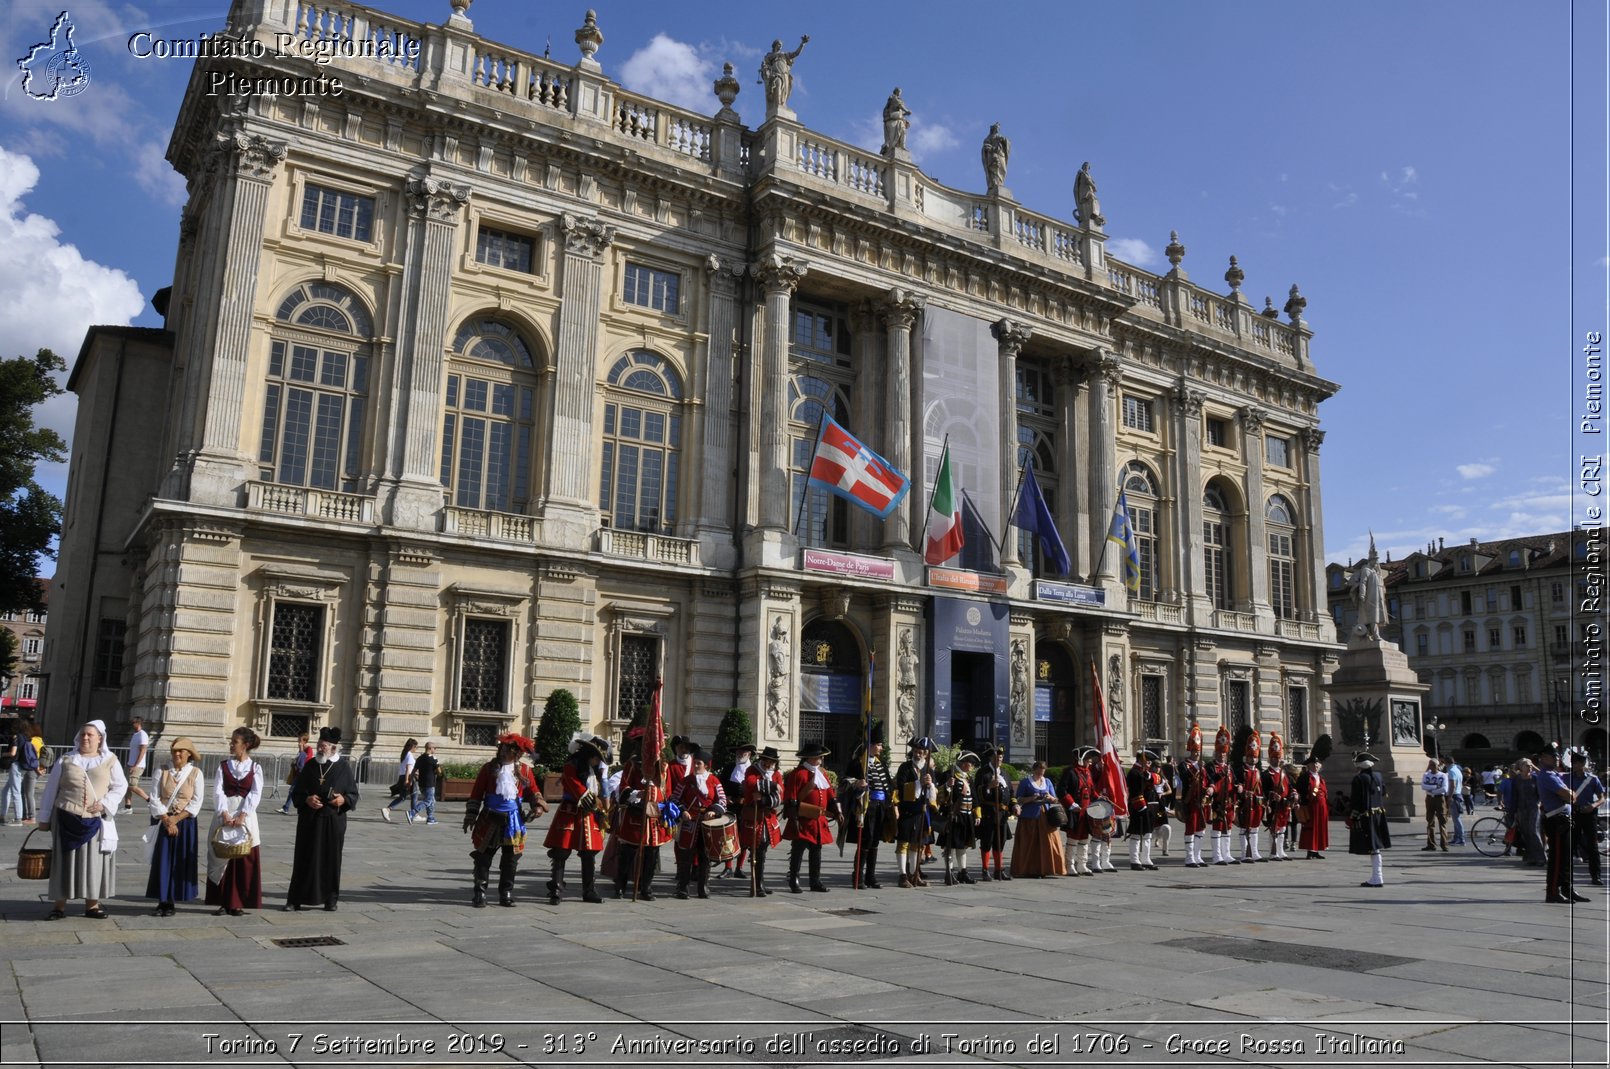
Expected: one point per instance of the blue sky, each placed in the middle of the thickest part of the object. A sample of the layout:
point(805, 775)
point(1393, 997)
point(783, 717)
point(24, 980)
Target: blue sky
point(1407, 164)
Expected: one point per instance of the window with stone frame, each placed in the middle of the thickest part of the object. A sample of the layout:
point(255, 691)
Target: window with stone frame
point(651, 287)
point(821, 380)
point(337, 212)
point(1138, 414)
point(1297, 714)
point(1282, 530)
point(489, 418)
point(481, 732)
point(1151, 707)
point(288, 725)
point(109, 639)
point(1037, 440)
point(1141, 492)
point(1238, 698)
point(503, 249)
point(295, 652)
point(640, 474)
point(1216, 549)
point(483, 678)
point(316, 392)
point(636, 675)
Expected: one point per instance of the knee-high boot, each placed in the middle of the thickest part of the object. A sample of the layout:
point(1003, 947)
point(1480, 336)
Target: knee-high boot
point(816, 869)
point(557, 879)
point(1134, 852)
point(482, 877)
point(589, 870)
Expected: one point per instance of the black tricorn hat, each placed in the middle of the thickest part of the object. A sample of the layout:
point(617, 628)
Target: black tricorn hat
point(1150, 755)
point(330, 734)
point(1363, 755)
point(682, 740)
point(986, 752)
point(813, 749)
point(769, 754)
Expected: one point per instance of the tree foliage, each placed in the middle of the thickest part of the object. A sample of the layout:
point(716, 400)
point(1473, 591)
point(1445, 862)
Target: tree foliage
point(29, 517)
point(561, 719)
point(735, 731)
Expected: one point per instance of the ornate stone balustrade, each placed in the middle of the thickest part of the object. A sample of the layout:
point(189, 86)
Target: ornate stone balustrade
point(1301, 629)
point(1159, 611)
point(1229, 620)
point(478, 523)
point(299, 501)
point(398, 42)
point(650, 547)
point(838, 164)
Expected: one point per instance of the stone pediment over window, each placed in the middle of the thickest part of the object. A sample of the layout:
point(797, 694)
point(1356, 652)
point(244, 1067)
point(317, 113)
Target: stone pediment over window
point(473, 601)
point(299, 584)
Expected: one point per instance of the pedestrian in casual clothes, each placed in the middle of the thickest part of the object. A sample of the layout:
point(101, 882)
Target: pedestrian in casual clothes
point(1590, 795)
point(1557, 801)
point(426, 771)
point(1457, 803)
point(11, 799)
point(139, 743)
point(304, 754)
point(1435, 785)
point(1528, 818)
point(406, 788)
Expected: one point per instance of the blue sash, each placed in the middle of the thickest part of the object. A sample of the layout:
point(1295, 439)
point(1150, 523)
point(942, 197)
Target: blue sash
point(510, 808)
point(76, 830)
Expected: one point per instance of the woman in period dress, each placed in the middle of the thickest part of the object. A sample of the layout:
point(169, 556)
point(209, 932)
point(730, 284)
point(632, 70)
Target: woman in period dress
point(174, 803)
point(235, 884)
point(1037, 850)
point(82, 794)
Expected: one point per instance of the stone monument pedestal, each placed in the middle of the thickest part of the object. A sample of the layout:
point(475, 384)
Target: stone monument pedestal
point(1376, 705)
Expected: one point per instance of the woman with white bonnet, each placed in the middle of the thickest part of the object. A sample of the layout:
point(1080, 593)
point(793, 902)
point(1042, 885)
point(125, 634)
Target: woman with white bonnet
point(81, 796)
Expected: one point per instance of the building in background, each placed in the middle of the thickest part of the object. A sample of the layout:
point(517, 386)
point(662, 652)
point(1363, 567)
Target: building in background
point(21, 690)
point(1497, 630)
point(490, 377)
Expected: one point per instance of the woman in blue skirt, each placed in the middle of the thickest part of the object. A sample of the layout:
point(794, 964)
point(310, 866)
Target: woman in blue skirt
point(174, 802)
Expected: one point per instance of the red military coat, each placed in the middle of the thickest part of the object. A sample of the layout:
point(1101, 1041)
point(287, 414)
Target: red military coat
point(1193, 803)
point(630, 827)
point(800, 787)
point(1249, 810)
point(1221, 807)
point(490, 828)
point(578, 824)
point(759, 816)
point(1277, 792)
point(695, 800)
point(1315, 833)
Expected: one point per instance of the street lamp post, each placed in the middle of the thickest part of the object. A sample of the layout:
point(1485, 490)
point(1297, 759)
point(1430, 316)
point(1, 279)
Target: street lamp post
point(1436, 728)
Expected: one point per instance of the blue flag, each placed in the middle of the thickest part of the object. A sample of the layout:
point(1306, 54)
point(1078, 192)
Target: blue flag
point(1034, 516)
point(1122, 531)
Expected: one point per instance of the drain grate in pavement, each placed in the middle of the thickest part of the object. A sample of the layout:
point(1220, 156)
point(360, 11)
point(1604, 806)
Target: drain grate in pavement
point(308, 941)
point(851, 912)
point(1289, 953)
point(849, 1043)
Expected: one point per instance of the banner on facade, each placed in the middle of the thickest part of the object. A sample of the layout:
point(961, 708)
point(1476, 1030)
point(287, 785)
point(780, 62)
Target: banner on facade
point(973, 582)
point(1068, 593)
point(848, 564)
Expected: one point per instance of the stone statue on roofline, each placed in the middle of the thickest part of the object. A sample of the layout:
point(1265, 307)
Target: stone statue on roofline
point(896, 121)
point(1368, 586)
point(996, 151)
point(1088, 208)
point(777, 74)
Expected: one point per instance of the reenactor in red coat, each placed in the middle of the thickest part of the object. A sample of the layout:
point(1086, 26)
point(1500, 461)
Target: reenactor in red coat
point(1249, 799)
point(1193, 803)
point(760, 817)
point(1315, 806)
point(1077, 789)
point(503, 799)
point(638, 824)
point(809, 803)
point(1222, 791)
point(579, 823)
point(699, 796)
point(1278, 792)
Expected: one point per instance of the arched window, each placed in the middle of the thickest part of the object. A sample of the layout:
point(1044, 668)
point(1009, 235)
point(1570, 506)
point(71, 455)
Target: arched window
point(821, 378)
point(1528, 743)
point(1141, 491)
point(1215, 548)
point(641, 471)
point(488, 426)
point(1282, 557)
point(1474, 742)
point(1035, 444)
point(315, 398)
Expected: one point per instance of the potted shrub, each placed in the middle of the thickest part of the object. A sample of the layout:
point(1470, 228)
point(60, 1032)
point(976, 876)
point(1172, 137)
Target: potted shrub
point(561, 719)
point(457, 777)
point(735, 731)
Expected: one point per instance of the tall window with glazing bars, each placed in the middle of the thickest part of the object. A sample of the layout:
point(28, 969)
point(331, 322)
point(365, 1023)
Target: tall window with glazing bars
point(489, 418)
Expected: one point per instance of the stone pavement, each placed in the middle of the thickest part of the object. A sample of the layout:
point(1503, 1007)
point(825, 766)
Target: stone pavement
point(1456, 961)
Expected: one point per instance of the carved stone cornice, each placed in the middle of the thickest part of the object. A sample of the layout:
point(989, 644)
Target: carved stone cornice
point(560, 570)
point(1312, 438)
point(901, 308)
point(1010, 335)
point(433, 199)
point(585, 236)
point(779, 274)
point(1252, 418)
point(413, 554)
point(253, 155)
point(211, 531)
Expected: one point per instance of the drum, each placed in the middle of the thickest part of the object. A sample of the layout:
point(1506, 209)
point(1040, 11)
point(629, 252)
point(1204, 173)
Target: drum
point(720, 838)
point(1056, 816)
point(1100, 815)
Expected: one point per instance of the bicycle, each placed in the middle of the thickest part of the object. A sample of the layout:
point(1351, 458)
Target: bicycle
point(1489, 836)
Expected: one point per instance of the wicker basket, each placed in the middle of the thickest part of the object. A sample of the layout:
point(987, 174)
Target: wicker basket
point(231, 851)
point(33, 864)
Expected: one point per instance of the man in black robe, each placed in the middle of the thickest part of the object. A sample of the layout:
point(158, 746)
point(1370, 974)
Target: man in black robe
point(325, 791)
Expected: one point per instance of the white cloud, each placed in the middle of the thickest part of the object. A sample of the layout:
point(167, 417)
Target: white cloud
point(928, 140)
point(51, 293)
point(673, 71)
point(157, 177)
point(1347, 201)
point(1475, 471)
point(1132, 251)
point(1279, 210)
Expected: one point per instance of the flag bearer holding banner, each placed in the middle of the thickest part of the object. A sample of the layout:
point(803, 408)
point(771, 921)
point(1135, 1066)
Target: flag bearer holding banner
point(1108, 773)
point(759, 827)
point(644, 822)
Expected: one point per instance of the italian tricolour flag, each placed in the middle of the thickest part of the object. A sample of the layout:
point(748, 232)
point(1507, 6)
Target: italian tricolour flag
point(944, 516)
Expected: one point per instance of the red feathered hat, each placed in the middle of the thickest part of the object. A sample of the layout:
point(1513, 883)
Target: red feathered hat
point(1277, 749)
point(519, 742)
point(1221, 742)
point(1193, 741)
point(1253, 747)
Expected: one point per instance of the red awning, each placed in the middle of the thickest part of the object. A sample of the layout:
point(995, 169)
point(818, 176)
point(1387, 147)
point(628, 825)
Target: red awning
point(17, 703)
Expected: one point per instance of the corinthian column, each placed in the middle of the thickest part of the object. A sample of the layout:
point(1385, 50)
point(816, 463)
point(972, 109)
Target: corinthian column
point(413, 494)
point(1109, 372)
point(1009, 338)
point(570, 401)
point(250, 161)
point(778, 276)
point(1257, 528)
point(900, 312)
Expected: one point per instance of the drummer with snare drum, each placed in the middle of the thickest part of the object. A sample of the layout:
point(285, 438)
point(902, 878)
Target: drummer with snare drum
point(701, 799)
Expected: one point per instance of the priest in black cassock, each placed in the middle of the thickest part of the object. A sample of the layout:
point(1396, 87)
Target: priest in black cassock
point(325, 790)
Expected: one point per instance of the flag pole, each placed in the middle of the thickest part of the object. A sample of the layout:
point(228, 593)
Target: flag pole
point(805, 491)
point(944, 448)
point(1017, 499)
point(1106, 536)
point(866, 768)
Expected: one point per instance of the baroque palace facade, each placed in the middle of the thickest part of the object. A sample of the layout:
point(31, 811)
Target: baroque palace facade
point(489, 377)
